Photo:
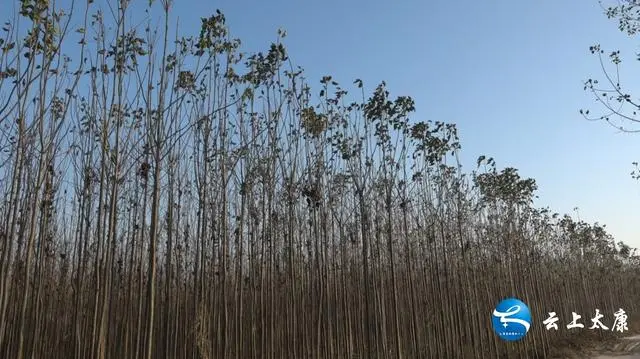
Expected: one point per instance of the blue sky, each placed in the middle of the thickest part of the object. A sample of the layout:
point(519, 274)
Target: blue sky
point(508, 73)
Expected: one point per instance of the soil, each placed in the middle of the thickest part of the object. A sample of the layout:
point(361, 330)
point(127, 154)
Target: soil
point(625, 348)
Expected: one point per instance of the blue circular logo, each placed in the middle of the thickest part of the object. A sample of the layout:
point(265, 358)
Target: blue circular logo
point(511, 319)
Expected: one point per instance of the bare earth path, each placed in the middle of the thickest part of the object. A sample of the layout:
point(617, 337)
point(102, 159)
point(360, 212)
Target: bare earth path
point(628, 348)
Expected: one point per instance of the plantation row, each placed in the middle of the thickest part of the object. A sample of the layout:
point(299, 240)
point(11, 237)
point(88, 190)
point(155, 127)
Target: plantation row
point(175, 197)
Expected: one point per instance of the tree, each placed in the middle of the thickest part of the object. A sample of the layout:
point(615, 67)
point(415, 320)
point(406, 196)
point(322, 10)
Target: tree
point(621, 108)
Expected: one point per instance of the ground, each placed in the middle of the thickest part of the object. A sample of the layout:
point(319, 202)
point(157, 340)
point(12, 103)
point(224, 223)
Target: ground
point(626, 348)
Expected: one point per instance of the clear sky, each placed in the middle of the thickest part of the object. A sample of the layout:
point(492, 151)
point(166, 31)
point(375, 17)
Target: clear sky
point(508, 73)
